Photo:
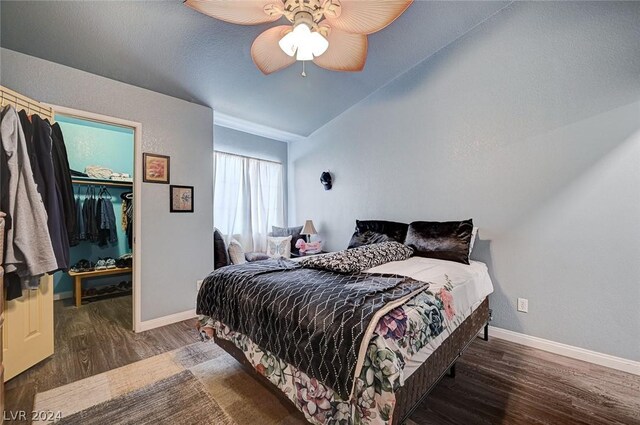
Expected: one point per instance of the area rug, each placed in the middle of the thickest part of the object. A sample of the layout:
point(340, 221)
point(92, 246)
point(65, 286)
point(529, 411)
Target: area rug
point(196, 384)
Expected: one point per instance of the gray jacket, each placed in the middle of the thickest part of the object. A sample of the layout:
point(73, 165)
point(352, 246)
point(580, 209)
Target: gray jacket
point(28, 249)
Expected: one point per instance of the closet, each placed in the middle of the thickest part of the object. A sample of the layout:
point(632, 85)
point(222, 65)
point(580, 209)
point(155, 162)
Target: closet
point(101, 160)
point(85, 245)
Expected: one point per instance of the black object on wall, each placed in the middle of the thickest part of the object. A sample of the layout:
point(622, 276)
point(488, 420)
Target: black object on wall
point(326, 180)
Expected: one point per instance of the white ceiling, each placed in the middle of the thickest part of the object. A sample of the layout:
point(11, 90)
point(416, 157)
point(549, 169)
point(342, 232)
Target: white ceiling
point(167, 47)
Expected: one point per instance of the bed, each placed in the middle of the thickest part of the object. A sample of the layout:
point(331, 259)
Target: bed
point(412, 346)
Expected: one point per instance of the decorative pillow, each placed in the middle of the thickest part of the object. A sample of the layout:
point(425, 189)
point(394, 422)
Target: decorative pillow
point(396, 231)
point(367, 237)
point(220, 254)
point(358, 259)
point(255, 256)
point(279, 247)
point(294, 232)
point(443, 240)
point(236, 253)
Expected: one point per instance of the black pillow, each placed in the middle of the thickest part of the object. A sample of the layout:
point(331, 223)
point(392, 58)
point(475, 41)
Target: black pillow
point(443, 240)
point(286, 231)
point(395, 231)
point(368, 237)
point(220, 254)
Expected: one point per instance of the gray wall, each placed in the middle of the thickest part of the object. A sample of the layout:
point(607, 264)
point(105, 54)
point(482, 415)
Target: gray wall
point(240, 143)
point(177, 248)
point(530, 124)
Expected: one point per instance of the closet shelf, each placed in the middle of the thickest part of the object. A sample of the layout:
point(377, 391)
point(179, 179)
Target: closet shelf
point(101, 182)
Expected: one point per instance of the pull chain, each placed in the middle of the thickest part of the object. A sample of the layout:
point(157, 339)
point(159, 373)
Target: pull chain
point(304, 74)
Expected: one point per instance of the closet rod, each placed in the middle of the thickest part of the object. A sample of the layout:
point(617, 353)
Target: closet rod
point(114, 183)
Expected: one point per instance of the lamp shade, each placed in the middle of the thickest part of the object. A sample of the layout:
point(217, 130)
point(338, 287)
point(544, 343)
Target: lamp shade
point(308, 228)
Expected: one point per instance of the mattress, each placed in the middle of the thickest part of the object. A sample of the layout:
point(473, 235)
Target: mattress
point(403, 341)
point(470, 284)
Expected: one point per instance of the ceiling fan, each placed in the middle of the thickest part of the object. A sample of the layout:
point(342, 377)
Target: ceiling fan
point(331, 33)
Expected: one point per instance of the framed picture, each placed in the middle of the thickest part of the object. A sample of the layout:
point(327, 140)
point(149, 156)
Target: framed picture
point(181, 198)
point(155, 168)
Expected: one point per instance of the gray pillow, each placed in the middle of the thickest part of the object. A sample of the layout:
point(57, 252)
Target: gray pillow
point(255, 256)
point(294, 232)
point(358, 259)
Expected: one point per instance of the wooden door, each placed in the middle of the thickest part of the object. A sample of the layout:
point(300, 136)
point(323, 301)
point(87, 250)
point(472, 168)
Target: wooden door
point(28, 329)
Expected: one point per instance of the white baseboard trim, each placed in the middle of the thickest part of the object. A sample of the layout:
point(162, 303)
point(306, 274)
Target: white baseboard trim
point(62, 295)
point(166, 320)
point(613, 362)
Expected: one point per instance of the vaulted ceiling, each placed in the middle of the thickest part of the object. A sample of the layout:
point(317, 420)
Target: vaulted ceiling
point(167, 47)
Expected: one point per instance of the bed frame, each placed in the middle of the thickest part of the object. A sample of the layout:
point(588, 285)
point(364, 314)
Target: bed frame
point(418, 386)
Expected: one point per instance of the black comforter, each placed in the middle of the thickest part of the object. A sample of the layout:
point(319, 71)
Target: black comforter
point(315, 320)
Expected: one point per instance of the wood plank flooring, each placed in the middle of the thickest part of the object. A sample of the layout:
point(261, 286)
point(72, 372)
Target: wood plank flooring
point(93, 339)
point(497, 382)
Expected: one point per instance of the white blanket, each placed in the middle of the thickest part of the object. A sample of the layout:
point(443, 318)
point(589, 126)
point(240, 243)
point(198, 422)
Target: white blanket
point(471, 285)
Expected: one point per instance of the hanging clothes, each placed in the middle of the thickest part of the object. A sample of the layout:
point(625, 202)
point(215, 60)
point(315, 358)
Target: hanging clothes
point(28, 250)
point(79, 228)
point(43, 145)
point(89, 214)
point(63, 181)
point(106, 219)
point(127, 216)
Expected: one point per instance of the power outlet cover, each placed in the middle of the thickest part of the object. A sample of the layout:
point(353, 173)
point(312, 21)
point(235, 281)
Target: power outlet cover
point(523, 305)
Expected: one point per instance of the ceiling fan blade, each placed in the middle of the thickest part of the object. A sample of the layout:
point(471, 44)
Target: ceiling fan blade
point(346, 52)
point(267, 54)
point(245, 12)
point(367, 17)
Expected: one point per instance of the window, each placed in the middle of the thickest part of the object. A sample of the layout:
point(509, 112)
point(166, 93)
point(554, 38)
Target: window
point(247, 199)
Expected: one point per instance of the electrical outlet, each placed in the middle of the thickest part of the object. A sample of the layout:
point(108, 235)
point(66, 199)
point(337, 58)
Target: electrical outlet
point(198, 284)
point(523, 305)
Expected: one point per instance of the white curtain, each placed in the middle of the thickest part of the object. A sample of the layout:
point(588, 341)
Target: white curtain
point(248, 199)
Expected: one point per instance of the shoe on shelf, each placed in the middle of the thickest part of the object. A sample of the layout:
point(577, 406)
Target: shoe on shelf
point(110, 263)
point(101, 265)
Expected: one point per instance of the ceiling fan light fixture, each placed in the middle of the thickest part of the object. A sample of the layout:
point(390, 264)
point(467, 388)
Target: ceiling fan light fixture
point(303, 43)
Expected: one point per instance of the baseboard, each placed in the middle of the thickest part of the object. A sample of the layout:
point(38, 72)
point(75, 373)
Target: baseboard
point(62, 295)
point(164, 321)
point(613, 362)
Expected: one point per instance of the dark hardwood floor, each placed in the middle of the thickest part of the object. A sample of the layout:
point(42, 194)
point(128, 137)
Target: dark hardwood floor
point(497, 382)
point(93, 339)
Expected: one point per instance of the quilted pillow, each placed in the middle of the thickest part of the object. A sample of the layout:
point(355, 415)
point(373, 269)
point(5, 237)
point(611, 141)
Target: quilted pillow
point(358, 259)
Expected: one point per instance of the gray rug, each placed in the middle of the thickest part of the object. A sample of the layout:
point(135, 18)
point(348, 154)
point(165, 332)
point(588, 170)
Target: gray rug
point(178, 399)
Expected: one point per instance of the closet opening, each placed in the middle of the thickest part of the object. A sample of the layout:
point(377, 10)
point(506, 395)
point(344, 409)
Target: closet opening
point(102, 283)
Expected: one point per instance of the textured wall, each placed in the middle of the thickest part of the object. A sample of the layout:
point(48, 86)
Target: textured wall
point(530, 124)
point(241, 143)
point(176, 248)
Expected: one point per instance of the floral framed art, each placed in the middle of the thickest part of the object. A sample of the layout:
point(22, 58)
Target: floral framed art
point(155, 168)
point(181, 199)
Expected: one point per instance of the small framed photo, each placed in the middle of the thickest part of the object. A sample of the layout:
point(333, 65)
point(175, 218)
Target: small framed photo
point(181, 198)
point(155, 168)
